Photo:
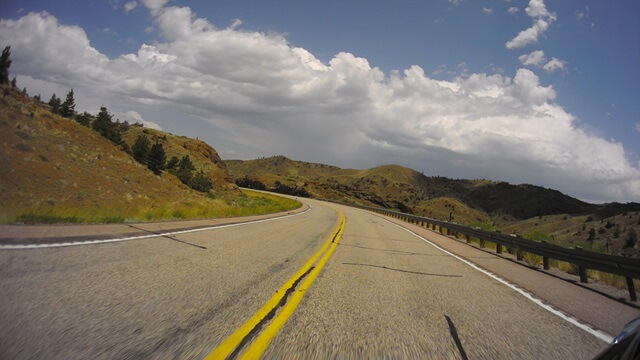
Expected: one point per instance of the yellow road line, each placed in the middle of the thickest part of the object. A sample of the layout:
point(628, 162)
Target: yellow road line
point(229, 345)
point(263, 341)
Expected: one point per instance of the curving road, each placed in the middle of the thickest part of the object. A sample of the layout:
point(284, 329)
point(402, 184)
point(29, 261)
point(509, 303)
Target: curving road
point(384, 291)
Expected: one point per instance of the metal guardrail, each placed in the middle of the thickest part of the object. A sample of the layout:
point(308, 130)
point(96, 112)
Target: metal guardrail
point(618, 265)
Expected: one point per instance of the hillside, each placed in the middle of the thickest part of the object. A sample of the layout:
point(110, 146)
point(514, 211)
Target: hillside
point(56, 170)
point(407, 190)
point(525, 209)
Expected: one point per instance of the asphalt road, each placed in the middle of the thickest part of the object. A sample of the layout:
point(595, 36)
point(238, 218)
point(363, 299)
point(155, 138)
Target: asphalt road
point(383, 293)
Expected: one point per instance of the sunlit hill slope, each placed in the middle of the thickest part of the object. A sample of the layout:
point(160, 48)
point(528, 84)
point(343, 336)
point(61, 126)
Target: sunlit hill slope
point(54, 169)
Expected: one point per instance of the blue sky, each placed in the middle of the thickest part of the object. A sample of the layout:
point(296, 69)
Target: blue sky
point(573, 73)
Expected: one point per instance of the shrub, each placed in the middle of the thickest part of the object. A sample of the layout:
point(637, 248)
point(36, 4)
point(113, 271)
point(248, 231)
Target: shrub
point(200, 182)
point(592, 235)
point(173, 162)
point(616, 231)
point(84, 119)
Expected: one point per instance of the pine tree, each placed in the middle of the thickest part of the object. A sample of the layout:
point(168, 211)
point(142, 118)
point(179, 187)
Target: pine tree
point(55, 103)
point(5, 63)
point(105, 127)
point(156, 159)
point(185, 169)
point(68, 107)
point(140, 149)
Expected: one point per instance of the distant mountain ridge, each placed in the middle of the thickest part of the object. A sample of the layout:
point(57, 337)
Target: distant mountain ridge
point(407, 190)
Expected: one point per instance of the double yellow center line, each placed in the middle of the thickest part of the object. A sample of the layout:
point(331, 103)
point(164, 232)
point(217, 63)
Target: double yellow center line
point(309, 273)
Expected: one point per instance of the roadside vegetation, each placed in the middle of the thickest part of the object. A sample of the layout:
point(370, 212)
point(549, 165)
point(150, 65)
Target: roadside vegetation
point(247, 204)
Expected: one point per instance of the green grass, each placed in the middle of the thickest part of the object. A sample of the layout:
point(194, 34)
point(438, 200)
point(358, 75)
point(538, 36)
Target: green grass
point(246, 204)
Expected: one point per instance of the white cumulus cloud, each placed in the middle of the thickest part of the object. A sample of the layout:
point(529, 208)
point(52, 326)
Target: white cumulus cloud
point(537, 9)
point(513, 10)
point(134, 117)
point(533, 58)
point(129, 6)
point(528, 36)
point(542, 18)
point(554, 64)
point(258, 94)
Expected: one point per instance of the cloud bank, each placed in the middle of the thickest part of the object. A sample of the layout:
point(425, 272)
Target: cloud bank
point(272, 97)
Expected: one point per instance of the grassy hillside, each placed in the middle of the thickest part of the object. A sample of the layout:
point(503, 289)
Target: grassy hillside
point(56, 170)
point(524, 209)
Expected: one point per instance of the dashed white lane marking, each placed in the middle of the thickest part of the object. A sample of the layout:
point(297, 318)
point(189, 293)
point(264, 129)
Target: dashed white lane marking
point(104, 241)
point(597, 333)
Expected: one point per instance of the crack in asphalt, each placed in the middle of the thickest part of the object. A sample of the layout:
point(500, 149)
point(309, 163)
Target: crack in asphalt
point(400, 270)
point(256, 329)
point(399, 252)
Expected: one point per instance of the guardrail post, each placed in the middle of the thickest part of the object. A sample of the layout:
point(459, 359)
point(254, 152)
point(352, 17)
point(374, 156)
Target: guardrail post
point(468, 238)
point(498, 248)
point(519, 254)
point(632, 289)
point(440, 229)
point(583, 275)
point(582, 271)
point(545, 259)
point(448, 232)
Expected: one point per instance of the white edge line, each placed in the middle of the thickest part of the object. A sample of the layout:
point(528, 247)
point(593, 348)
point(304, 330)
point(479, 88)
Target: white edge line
point(597, 333)
point(93, 242)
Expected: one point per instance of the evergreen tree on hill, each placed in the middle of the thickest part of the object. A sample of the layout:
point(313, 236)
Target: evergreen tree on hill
point(55, 103)
point(140, 149)
point(105, 127)
point(157, 158)
point(68, 107)
point(5, 63)
point(184, 170)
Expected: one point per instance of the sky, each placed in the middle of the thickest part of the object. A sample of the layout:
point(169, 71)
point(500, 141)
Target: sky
point(544, 93)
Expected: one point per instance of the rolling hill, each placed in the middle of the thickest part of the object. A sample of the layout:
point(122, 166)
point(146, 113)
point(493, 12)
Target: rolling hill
point(525, 209)
point(56, 170)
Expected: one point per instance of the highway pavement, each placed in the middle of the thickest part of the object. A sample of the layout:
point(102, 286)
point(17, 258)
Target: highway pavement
point(370, 289)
